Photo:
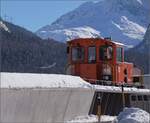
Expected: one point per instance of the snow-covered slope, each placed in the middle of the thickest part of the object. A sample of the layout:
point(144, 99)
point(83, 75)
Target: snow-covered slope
point(4, 27)
point(145, 45)
point(123, 20)
point(70, 33)
point(147, 36)
point(140, 54)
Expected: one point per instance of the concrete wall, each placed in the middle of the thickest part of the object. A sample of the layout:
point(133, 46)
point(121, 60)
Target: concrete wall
point(43, 105)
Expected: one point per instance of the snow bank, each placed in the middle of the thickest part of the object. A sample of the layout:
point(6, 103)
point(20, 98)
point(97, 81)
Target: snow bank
point(133, 115)
point(29, 80)
point(91, 119)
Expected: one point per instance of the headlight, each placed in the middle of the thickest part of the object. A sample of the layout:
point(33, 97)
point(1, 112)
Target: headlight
point(106, 69)
point(105, 77)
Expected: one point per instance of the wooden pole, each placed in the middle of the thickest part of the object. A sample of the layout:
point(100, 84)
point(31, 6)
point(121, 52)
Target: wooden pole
point(123, 96)
point(99, 108)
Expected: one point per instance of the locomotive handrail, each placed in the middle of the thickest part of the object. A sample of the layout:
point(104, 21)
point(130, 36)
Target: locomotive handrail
point(104, 82)
point(98, 82)
point(142, 75)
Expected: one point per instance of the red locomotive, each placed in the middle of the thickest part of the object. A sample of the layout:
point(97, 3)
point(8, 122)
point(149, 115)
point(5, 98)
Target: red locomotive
point(100, 59)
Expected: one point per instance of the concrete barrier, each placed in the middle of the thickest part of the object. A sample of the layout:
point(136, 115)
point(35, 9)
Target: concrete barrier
point(43, 105)
point(146, 79)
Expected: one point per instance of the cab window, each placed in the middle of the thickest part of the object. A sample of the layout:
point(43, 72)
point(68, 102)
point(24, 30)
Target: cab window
point(119, 54)
point(106, 52)
point(133, 97)
point(140, 98)
point(77, 54)
point(145, 98)
point(92, 54)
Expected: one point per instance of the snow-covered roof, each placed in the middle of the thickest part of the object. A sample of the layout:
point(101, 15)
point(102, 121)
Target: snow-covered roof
point(121, 44)
point(115, 89)
point(118, 43)
point(30, 80)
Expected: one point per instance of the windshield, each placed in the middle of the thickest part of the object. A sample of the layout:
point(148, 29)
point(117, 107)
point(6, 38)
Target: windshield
point(119, 54)
point(77, 53)
point(92, 54)
point(106, 52)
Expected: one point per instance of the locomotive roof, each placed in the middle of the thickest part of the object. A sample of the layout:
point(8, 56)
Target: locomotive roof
point(97, 39)
point(118, 43)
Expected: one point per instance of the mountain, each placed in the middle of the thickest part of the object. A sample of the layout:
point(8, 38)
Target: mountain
point(23, 51)
point(140, 54)
point(70, 33)
point(124, 20)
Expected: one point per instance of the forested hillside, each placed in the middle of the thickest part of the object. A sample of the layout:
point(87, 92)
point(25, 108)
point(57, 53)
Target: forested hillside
point(23, 51)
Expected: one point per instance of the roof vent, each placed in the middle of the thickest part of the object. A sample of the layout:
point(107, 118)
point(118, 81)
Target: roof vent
point(108, 38)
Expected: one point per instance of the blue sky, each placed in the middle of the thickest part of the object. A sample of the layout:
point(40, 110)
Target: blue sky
point(33, 14)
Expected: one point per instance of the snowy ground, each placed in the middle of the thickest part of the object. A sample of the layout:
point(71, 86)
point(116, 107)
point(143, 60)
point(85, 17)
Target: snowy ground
point(129, 115)
point(91, 119)
point(133, 115)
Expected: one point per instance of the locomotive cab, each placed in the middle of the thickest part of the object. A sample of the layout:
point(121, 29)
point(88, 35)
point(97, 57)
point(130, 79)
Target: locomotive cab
point(98, 61)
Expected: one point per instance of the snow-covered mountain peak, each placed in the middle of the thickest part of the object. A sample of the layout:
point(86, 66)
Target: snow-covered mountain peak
point(123, 20)
point(135, 3)
point(130, 29)
point(71, 33)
